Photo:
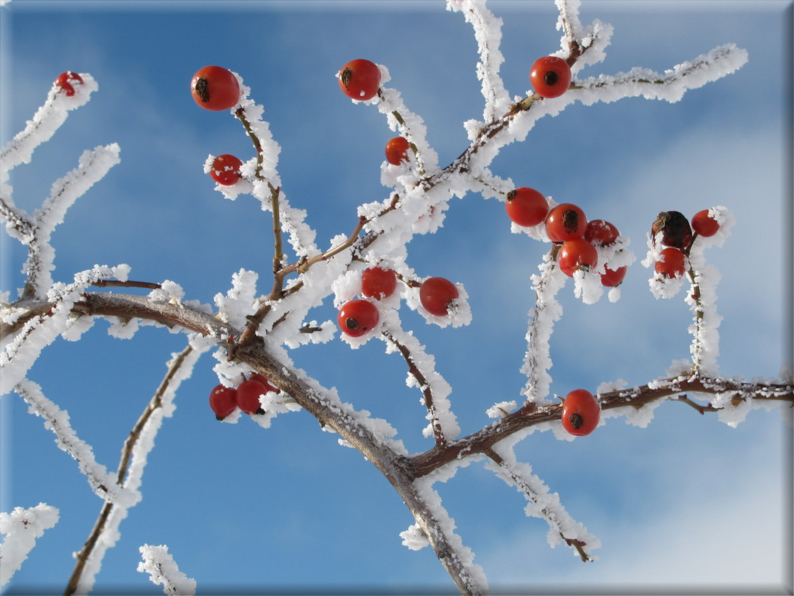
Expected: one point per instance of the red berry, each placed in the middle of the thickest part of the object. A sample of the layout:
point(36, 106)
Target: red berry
point(357, 317)
point(674, 228)
point(226, 169)
point(436, 294)
point(359, 79)
point(600, 232)
point(215, 88)
point(264, 380)
point(612, 279)
point(378, 283)
point(526, 206)
point(65, 81)
point(550, 76)
point(248, 393)
point(704, 224)
point(397, 150)
point(565, 222)
point(580, 412)
point(576, 254)
point(223, 401)
point(671, 263)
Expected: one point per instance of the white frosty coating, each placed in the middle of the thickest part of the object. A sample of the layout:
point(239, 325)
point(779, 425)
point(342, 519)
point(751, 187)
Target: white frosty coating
point(488, 33)
point(541, 503)
point(21, 528)
point(274, 403)
point(239, 301)
point(123, 328)
point(444, 524)
point(40, 129)
point(140, 452)
point(169, 292)
point(163, 570)
point(102, 482)
point(40, 331)
point(414, 538)
point(76, 326)
point(638, 82)
point(441, 410)
point(731, 413)
point(92, 167)
point(705, 343)
point(537, 360)
point(301, 237)
point(502, 409)
point(382, 431)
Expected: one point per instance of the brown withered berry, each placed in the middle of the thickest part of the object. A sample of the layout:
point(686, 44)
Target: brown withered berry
point(675, 229)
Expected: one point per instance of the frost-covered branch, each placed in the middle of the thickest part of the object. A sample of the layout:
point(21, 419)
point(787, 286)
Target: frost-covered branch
point(65, 191)
point(57, 420)
point(21, 528)
point(47, 119)
point(488, 33)
point(537, 360)
point(163, 570)
point(52, 318)
point(732, 400)
point(129, 475)
point(541, 503)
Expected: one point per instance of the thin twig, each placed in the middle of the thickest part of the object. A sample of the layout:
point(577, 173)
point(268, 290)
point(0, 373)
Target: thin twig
point(427, 392)
point(126, 455)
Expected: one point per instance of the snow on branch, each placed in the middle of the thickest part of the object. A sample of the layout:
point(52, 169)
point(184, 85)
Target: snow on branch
point(562, 528)
point(439, 528)
point(669, 86)
point(163, 570)
point(38, 332)
point(488, 33)
point(133, 461)
point(101, 481)
point(21, 528)
point(422, 374)
point(537, 360)
point(93, 166)
point(702, 298)
point(45, 122)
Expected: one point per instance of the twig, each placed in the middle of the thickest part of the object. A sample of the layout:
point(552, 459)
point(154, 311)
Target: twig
point(427, 392)
point(126, 455)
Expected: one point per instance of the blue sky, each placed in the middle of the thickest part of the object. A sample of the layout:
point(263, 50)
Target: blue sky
point(687, 501)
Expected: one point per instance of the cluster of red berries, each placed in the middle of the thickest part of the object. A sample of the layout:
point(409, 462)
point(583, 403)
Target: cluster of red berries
point(224, 400)
point(567, 226)
point(67, 80)
point(675, 234)
point(359, 316)
point(216, 88)
point(580, 412)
